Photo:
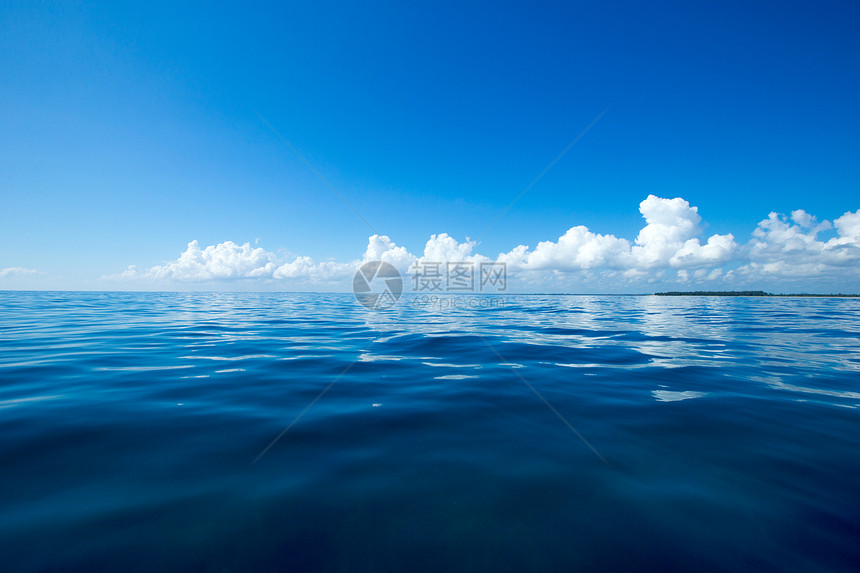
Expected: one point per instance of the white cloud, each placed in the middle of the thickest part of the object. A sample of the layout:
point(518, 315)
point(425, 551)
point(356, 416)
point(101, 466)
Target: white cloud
point(230, 261)
point(223, 261)
point(669, 249)
point(790, 247)
point(17, 272)
point(577, 249)
point(382, 248)
point(848, 227)
point(718, 250)
point(670, 222)
point(443, 248)
point(667, 240)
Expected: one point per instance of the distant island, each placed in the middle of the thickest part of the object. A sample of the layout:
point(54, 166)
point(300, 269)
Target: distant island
point(746, 293)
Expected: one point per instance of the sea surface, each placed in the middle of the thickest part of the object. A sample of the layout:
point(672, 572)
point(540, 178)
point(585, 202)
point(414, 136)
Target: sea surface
point(302, 432)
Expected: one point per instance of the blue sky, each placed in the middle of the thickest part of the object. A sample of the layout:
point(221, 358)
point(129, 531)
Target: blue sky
point(131, 131)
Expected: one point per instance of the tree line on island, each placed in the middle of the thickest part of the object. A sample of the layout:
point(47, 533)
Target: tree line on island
point(746, 293)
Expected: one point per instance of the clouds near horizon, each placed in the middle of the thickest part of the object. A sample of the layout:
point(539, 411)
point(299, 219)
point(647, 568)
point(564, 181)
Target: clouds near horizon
point(669, 249)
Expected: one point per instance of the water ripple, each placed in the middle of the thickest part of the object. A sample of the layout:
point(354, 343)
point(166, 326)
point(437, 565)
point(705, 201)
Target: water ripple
point(130, 421)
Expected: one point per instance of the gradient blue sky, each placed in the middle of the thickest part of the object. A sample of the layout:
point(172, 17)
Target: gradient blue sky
point(129, 131)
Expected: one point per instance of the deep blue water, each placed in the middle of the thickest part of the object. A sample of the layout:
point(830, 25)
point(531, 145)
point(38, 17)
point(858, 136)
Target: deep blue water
point(697, 434)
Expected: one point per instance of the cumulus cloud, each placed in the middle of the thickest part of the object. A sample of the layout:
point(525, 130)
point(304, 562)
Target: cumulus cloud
point(444, 248)
point(848, 227)
point(790, 247)
point(577, 249)
point(667, 241)
point(670, 248)
point(382, 248)
point(669, 238)
point(223, 261)
point(230, 261)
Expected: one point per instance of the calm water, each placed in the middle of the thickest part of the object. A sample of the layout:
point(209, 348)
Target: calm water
point(724, 433)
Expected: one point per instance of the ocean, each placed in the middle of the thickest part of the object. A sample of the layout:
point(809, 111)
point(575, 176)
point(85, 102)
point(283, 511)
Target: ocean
point(303, 432)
